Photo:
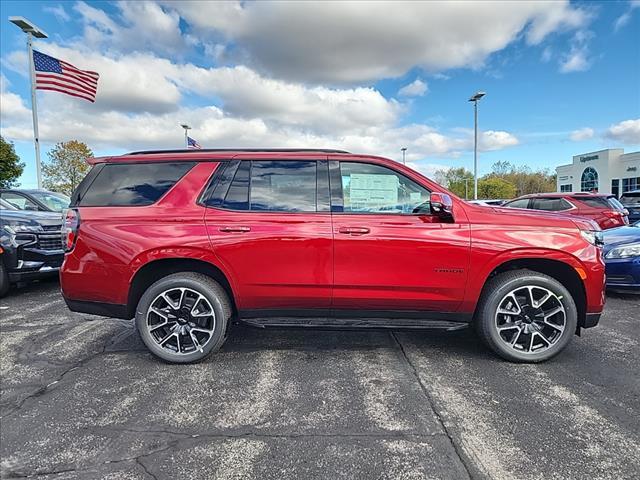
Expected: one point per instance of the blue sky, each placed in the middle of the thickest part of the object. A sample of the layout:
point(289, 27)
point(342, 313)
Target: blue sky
point(561, 78)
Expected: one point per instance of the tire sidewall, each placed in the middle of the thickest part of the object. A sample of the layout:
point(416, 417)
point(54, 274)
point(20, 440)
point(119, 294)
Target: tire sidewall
point(168, 283)
point(499, 293)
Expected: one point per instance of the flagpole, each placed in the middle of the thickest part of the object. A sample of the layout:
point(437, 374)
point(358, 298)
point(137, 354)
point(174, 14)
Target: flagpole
point(34, 107)
point(186, 134)
point(32, 31)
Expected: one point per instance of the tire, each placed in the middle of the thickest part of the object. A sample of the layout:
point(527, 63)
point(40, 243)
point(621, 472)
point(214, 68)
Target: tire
point(4, 280)
point(528, 336)
point(190, 304)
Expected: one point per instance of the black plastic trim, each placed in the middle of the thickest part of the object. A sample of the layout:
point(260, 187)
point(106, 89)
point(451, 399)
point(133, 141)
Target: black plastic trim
point(241, 150)
point(112, 310)
point(591, 320)
point(427, 316)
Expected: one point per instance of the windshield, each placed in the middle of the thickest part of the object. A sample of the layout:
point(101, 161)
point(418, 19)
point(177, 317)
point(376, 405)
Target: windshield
point(55, 201)
point(613, 201)
point(631, 198)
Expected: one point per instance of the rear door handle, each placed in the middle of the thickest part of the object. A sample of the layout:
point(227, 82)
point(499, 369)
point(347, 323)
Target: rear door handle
point(354, 230)
point(238, 229)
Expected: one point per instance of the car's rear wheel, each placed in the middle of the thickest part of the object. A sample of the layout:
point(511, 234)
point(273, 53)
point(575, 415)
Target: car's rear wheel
point(183, 317)
point(526, 316)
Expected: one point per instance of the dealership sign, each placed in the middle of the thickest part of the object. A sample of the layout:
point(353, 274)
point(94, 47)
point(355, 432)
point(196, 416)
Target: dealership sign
point(588, 158)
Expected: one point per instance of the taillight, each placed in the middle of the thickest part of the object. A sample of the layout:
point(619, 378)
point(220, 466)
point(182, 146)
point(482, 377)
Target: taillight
point(613, 214)
point(70, 229)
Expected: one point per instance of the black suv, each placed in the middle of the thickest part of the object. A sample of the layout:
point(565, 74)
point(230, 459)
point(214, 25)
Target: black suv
point(30, 245)
point(631, 201)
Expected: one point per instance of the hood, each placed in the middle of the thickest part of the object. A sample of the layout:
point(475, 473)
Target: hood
point(526, 216)
point(615, 237)
point(42, 218)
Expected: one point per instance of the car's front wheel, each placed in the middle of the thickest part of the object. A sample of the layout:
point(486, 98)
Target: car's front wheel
point(183, 317)
point(526, 316)
point(4, 280)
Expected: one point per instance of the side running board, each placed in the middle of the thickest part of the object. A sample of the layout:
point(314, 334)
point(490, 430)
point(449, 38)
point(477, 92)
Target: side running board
point(355, 323)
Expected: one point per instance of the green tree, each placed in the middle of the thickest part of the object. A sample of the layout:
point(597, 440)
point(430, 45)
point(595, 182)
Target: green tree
point(66, 166)
point(458, 180)
point(523, 178)
point(490, 188)
point(10, 166)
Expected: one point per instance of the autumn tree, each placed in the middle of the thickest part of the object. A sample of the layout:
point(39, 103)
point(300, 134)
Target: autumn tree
point(66, 166)
point(10, 166)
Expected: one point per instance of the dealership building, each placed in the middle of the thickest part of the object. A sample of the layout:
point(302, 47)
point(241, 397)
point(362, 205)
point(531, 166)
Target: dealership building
point(604, 171)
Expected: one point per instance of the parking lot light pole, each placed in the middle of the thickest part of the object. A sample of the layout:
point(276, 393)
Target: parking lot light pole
point(186, 134)
point(32, 31)
point(477, 96)
point(404, 151)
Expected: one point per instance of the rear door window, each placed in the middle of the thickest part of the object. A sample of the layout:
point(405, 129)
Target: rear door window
point(522, 203)
point(284, 186)
point(550, 204)
point(134, 184)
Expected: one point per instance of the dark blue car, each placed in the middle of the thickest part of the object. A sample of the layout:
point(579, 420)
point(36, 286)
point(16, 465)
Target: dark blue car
point(622, 258)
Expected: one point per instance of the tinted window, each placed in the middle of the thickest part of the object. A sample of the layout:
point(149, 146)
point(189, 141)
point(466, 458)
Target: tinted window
point(522, 203)
point(595, 202)
point(630, 199)
point(237, 197)
point(550, 204)
point(133, 184)
point(283, 186)
point(613, 201)
point(370, 188)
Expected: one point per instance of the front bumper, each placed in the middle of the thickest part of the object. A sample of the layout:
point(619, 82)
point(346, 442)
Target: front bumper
point(623, 274)
point(33, 263)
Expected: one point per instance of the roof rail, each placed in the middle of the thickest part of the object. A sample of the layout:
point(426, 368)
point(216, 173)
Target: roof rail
point(253, 150)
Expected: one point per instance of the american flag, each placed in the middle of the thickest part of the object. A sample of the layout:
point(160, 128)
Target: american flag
point(191, 143)
point(58, 76)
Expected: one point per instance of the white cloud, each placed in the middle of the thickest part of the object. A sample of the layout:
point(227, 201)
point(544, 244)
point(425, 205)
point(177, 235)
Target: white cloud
point(13, 107)
point(59, 12)
point(581, 134)
point(142, 25)
point(624, 19)
point(497, 140)
point(417, 88)
point(577, 59)
point(356, 41)
point(627, 132)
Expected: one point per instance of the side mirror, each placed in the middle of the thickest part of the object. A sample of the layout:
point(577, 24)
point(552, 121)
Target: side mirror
point(442, 206)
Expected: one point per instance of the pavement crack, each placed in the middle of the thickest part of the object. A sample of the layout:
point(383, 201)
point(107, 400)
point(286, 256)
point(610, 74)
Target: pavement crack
point(464, 459)
point(47, 388)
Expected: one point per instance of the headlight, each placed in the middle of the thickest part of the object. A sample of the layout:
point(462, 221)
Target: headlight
point(16, 228)
point(594, 237)
point(626, 251)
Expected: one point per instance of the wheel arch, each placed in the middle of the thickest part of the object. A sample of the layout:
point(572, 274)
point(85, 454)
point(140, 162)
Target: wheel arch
point(154, 270)
point(562, 271)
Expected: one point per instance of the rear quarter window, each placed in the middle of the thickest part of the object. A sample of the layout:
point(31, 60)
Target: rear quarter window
point(135, 184)
point(595, 202)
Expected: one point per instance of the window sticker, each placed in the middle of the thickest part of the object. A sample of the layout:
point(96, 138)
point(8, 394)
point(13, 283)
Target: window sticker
point(373, 191)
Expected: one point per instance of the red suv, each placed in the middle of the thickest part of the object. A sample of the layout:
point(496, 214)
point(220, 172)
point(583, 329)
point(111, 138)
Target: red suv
point(605, 209)
point(187, 241)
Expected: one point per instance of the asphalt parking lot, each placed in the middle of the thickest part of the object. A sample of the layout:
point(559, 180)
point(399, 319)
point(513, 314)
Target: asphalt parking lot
point(81, 398)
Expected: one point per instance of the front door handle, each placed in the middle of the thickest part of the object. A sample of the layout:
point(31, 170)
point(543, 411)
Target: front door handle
point(238, 229)
point(354, 230)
